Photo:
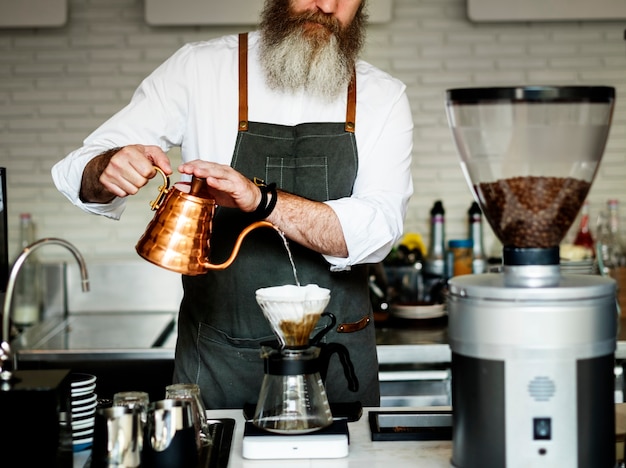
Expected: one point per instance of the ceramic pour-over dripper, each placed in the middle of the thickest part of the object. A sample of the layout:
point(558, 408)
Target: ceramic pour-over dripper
point(293, 311)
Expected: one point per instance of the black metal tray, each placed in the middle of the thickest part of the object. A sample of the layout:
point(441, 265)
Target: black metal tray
point(217, 454)
point(411, 425)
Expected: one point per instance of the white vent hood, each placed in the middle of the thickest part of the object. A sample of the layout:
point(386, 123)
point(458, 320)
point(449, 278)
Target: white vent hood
point(228, 12)
point(32, 13)
point(545, 10)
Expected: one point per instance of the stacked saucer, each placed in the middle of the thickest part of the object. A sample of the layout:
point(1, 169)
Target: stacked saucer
point(578, 267)
point(83, 402)
point(576, 259)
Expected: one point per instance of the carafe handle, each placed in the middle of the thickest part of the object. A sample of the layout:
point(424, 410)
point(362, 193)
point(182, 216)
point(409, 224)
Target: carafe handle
point(319, 335)
point(327, 350)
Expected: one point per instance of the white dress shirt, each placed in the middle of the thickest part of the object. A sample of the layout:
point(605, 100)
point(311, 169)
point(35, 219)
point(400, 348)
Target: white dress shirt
point(191, 101)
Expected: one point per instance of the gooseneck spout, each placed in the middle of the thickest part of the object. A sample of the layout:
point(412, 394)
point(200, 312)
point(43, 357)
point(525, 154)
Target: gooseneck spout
point(15, 269)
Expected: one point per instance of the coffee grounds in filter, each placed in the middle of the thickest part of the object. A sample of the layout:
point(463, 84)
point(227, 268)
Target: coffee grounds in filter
point(296, 333)
point(532, 211)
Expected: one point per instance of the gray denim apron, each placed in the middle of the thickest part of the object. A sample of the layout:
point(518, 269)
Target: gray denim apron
point(220, 325)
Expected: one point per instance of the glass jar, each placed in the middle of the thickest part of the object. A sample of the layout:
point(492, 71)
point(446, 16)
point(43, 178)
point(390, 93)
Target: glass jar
point(135, 400)
point(460, 257)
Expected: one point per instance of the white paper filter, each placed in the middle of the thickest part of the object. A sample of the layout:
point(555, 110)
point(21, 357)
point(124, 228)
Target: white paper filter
point(291, 302)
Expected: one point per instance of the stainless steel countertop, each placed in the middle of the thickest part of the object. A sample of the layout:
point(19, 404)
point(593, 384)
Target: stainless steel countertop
point(153, 335)
point(400, 341)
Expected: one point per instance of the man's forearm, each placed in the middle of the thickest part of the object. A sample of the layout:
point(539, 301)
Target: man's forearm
point(91, 190)
point(312, 224)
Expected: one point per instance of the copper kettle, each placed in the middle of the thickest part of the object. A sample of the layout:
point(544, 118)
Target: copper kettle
point(178, 237)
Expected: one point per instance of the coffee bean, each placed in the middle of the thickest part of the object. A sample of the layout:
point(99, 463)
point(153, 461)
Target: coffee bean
point(532, 211)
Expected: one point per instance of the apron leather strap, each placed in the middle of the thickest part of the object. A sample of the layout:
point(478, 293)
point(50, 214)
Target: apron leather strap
point(351, 106)
point(243, 82)
point(243, 90)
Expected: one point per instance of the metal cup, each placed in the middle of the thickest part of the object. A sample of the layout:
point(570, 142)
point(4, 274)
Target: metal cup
point(118, 438)
point(191, 392)
point(170, 436)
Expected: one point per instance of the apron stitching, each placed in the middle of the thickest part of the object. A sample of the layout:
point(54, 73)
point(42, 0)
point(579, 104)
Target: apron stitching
point(287, 165)
point(268, 137)
point(306, 137)
point(233, 161)
point(198, 367)
point(282, 172)
point(354, 156)
point(326, 179)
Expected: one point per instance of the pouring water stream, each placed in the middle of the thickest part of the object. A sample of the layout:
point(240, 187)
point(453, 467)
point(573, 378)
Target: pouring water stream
point(293, 265)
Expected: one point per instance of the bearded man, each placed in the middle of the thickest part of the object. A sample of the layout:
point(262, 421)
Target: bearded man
point(293, 105)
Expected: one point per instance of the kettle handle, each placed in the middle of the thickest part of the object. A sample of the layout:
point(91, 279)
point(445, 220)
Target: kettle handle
point(163, 190)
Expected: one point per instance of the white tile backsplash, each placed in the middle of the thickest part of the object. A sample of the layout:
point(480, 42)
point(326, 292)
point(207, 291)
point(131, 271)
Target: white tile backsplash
point(56, 85)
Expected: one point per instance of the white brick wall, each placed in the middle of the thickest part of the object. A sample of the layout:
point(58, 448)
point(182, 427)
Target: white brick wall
point(56, 85)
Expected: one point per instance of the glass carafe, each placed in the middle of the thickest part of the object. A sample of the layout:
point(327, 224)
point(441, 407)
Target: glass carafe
point(292, 399)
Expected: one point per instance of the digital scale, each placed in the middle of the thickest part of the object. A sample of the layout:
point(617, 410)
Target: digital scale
point(330, 442)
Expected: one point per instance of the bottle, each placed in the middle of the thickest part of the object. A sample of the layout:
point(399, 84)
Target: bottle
point(608, 248)
point(435, 259)
point(584, 237)
point(618, 272)
point(619, 257)
point(479, 262)
point(434, 270)
point(27, 293)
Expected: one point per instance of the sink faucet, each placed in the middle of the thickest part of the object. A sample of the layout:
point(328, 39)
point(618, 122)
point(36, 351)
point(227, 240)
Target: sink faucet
point(5, 348)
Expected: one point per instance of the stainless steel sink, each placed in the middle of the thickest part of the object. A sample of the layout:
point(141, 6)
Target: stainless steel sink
point(114, 331)
point(122, 330)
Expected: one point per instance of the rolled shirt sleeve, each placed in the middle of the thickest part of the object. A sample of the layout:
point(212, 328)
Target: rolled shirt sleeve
point(372, 219)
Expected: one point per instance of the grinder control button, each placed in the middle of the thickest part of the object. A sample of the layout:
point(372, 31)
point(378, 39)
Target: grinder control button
point(542, 428)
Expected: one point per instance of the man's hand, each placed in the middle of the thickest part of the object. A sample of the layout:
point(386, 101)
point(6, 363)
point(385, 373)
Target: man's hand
point(229, 187)
point(120, 172)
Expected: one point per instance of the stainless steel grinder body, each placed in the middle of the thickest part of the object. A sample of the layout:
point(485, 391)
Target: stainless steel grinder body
point(532, 372)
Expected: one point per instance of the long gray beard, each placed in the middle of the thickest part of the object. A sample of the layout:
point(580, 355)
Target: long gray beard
point(297, 64)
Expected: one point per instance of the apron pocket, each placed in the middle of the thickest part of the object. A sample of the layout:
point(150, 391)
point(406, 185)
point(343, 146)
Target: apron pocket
point(229, 368)
point(211, 334)
point(306, 176)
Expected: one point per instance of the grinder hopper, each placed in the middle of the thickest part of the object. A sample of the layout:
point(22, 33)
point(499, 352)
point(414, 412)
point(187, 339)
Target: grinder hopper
point(529, 155)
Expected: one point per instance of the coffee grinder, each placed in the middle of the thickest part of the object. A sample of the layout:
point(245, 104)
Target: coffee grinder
point(292, 418)
point(532, 348)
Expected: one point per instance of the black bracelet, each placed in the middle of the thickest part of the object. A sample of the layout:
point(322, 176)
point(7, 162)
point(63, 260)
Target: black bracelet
point(265, 208)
